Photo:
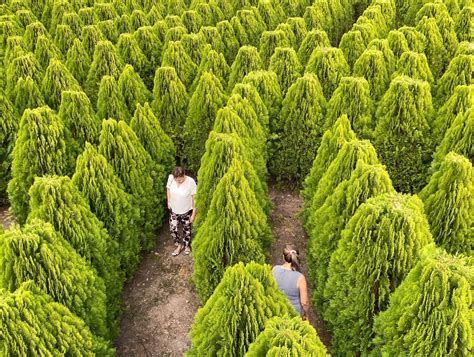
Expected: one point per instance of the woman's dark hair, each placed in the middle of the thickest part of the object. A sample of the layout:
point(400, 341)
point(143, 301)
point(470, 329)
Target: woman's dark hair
point(178, 172)
point(291, 255)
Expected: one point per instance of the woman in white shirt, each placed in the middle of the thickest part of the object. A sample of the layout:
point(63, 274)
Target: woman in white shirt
point(180, 191)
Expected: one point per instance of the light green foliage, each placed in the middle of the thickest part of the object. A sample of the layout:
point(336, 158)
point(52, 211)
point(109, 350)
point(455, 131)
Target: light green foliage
point(285, 63)
point(246, 61)
point(329, 220)
point(138, 19)
point(239, 31)
point(434, 48)
point(221, 149)
point(206, 100)
point(195, 45)
point(388, 55)
point(288, 31)
point(170, 104)
point(459, 72)
point(161, 28)
point(57, 78)
point(329, 64)
point(449, 204)
point(45, 51)
point(73, 20)
point(312, 40)
point(285, 337)
point(331, 142)
point(141, 178)
point(229, 39)
point(212, 37)
point(90, 37)
point(8, 129)
point(110, 101)
point(434, 300)
point(105, 11)
point(173, 34)
point(352, 45)
point(79, 118)
point(237, 311)
point(109, 30)
point(319, 17)
point(36, 252)
point(414, 65)
point(269, 41)
point(301, 119)
point(352, 98)
point(102, 189)
point(150, 45)
point(247, 91)
point(132, 88)
point(40, 149)
point(26, 327)
point(26, 95)
point(56, 200)
point(176, 56)
point(23, 66)
point(64, 38)
point(268, 88)
point(86, 15)
point(155, 141)
point(78, 61)
point(131, 53)
point(212, 62)
point(123, 24)
point(372, 66)
point(272, 13)
point(464, 25)
point(398, 43)
point(299, 29)
point(235, 230)
point(32, 33)
point(253, 24)
point(192, 21)
point(379, 246)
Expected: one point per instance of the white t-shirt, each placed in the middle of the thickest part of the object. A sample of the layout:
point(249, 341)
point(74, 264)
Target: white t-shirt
point(181, 200)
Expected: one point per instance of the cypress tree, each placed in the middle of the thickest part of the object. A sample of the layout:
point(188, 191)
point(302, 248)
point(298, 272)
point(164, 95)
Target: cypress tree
point(398, 43)
point(73, 20)
point(312, 40)
point(123, 24)
point(465, 48)
point(459, 72)
point(206, 100)
point(331, 142)
point(64, 38)
point(176, 56)
point(156, 13)
point(138, 19)
point(403, 118)
point(212, 62)
point(25, 17)
point(194, 45)
point(192, 21)
point(269, 41)
point(106, 63)
point(41, 132)
point(449, 204)
point(458, 138)
point(15, 47)
point(110, 101)
point(36, 252)
point(301, 120)
point(27, 95)
point(329, 220)
point(109, 30)
point(151, 46)
point(372, 66)
point(246, 61)
point(352, 97)
point(160, 28)
point(367, 29)
point(434, 300)
point(415, 39)
point(247, 91)
point(272, 13)
point(284, 336)
point(268, 88)
point(463, 26)
point(56, 200)
point(8, 130)
point(170, 104)
point(212, 37)
point(435, 50)
point(235, 314)
point(87, 16)
point(414, 65)
point(239, 31)
point(90, 37)
point(79, 118)
point(174, 34)
point(32, 33)
point(227, 236)
point(229, 39)
point(176, 7)
point(329, 64)
point(23, 66)
point(287, 67)
point(221, 149)
point(57, 79)
point(78, 61)
point(133, 89)
point(26, 327)
point(461, 100)
point(46, 51)
point(155, 141)
point(141, 178)
point(352, 45)
point(379, 246)
point(103, 191)
point(298, 26)
point(131, 53)
point(319, 17)
point(388, 55)
point(253, 24)
point(288, 31)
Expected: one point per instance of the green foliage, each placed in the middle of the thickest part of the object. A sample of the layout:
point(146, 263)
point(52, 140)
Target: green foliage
point(212, 62)
point(32, 33)
point(416, 41)
point(253, 24)
point(64, 38)
point(246, 61)
point(269, 41)
point(131, 53)
point(36, 252)
point(133, 90)
point(235, 230)
point(352, 98)
point(78, 61)
point(284, 336)
point(90, 37)
point(212, 37)
point(40, 149)
point(102, 189)
point(56, 200)
point(388, 55)
point(284, 62)
point(195, 46)
point(8, 130)
point(329, 64)
point(372, 66)
point(27, 329)
point(26, 95)
point(206, 100)
point(150, 45)
point(414, 65)
point(46, 51)
point(464, 25)
point(301, 119)
point(459, 72)
point(109, 30)
point(192, 21)
point(313, 40)
point(176, 56)
point(397, 42)
point(110, 101)
point(329, 220)
point(352, 45)
point(434, 48)
point(449, 204)
point(229, 39)
point(237, 311)
point(272, 13)
point(380, 244)
point(155, 141)
point(247, 91)
point(434, 300)
point(299, 29)
point(23, 66)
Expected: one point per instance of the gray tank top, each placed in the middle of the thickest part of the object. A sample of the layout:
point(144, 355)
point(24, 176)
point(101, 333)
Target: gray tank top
point(286, 281)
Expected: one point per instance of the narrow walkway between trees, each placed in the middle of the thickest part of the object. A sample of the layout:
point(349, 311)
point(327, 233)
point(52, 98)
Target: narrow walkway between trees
point(160, 303)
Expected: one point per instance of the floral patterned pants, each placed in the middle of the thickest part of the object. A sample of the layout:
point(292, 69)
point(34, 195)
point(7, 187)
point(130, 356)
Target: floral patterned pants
point(184, 219)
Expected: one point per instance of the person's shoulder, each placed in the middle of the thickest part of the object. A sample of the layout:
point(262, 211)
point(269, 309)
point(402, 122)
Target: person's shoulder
point(191, 180)
point(276, 267)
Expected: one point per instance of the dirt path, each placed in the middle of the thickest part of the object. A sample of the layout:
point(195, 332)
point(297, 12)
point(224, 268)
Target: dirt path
point(287, 229)
point(5, 218)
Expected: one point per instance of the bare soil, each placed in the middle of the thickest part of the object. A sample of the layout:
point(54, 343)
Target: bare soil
point(6, 219)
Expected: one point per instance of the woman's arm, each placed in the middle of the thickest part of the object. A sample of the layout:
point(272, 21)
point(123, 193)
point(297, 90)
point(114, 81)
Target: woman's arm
point(304, 298)
point(193, 215)
point(168, 198)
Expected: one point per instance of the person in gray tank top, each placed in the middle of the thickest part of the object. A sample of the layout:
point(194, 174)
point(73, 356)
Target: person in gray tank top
point(292, 282)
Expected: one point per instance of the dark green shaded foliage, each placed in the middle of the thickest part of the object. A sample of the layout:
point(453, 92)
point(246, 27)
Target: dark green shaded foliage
point(8, 129)
point(109, 30)
point(150, 45)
